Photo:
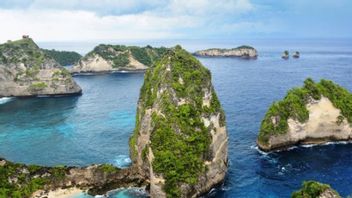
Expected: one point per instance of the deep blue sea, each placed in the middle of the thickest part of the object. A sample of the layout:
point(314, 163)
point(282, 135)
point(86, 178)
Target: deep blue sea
point(95, 127)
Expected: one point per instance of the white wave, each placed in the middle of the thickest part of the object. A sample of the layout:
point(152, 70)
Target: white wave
point(122, 161)
point(5, 100)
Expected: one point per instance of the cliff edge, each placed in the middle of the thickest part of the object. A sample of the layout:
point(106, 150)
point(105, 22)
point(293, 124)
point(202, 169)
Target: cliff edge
point(25, 70)
point(314, 114)
point(180, 140)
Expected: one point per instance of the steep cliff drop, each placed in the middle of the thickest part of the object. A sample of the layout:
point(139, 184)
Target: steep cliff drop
point(25, 70)
point(180, 140)
point(314, 114)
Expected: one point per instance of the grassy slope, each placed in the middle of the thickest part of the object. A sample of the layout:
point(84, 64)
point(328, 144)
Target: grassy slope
point(63, 57)
point(22, 51)
point(294, 106)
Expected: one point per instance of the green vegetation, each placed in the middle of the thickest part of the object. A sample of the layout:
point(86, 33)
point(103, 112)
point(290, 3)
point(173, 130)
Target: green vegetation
point(294, 106)
point(119, 54)
point(179, 139)
point(312, 189)
point(18, 181)
point(37, 86)
point(22, 51)
point(63, 57)
point(62, 73)
point(108, 168)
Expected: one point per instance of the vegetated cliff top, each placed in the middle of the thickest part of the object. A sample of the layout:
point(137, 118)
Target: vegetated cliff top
point(174, 89)
point(294, 106)
point(63, 57)
point(313, 189)
point(119, 54)
point(24, 51)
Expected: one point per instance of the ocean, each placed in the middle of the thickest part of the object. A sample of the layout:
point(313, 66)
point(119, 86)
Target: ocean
point(95, 127)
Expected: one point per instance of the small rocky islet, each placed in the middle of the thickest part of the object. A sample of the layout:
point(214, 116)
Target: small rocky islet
point(314, 189)
point(26, 70)
point(313, 114)
point(243, 51)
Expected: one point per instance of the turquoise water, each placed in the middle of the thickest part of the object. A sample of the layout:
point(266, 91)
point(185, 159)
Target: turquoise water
point(95, 127)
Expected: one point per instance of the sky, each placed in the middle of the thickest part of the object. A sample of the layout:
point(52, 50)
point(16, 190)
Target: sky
point(86, 20)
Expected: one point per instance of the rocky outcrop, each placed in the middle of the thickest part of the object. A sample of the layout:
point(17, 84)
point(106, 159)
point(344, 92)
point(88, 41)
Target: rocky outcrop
point(180, 139)
point(314, 114)
point(242, 51)
point(285, 55)
point(18, 180)
point(316, 190)
point(110, 58)
point(25, 70)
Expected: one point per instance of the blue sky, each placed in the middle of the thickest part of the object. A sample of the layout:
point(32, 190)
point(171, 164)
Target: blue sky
point(82, 20)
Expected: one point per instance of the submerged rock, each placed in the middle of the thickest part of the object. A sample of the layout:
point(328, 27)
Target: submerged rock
point(313, 189)
point(109, 58)
point(242, 51)
point(314, 114)
point(180, 139)
point(25, 70)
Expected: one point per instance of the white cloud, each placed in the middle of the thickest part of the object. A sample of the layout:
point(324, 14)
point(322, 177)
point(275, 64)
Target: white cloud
point(53, 20)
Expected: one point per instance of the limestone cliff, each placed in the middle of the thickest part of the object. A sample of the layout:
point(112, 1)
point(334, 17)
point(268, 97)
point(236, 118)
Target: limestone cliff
point(242, 51)
point(180, 139)
point(25, 70)
point(315, 189)
point(313, 114)
point(109, 58)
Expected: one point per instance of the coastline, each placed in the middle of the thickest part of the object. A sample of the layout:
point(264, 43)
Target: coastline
point(305, 144)
point(58, 193)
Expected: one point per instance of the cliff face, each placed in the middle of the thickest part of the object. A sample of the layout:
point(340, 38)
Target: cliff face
point(108, 58)
point(316, 113)
point(315, 189)
point(242, 51)
point(25, 70)
point(180, 139)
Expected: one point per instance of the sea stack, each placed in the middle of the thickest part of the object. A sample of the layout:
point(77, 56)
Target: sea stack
point(110, 58)
point(242, 51)
point(296, 55)
point(315, 190)
point(25, 70)
point(180, 139)
point(285, 55)
point(313, 114)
